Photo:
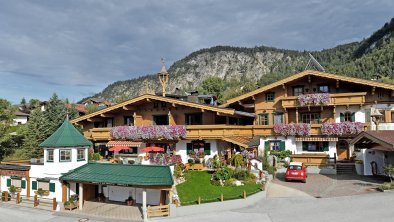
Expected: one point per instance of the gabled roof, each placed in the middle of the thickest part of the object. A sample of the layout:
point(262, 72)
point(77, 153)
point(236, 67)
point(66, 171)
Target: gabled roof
point(144, 175)
point(384, 138)
point(66, 136)
point(306, 73)
point(162, 99)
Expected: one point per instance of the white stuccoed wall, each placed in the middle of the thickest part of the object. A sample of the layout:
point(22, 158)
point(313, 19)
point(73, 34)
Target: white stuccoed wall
point(20, 119)
point(359, 113)
point(181, 149)
point(55, 169)
point(370, 155)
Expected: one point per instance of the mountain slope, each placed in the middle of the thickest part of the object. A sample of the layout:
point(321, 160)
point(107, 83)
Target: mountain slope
point(263, 65)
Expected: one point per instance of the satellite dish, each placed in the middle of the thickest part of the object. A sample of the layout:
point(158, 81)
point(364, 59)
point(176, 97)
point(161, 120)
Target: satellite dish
point(313, 63)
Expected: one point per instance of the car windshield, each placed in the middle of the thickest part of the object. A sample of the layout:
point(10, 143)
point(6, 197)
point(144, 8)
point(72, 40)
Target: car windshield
point(295, 167)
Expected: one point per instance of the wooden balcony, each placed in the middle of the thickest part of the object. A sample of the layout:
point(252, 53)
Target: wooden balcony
point(211, 131)
point(357, 98)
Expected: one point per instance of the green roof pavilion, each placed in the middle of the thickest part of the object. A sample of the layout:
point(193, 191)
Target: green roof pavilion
point(66, 136)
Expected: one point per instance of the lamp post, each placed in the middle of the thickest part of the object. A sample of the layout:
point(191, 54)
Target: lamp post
point(375, 115)
point(163, 77)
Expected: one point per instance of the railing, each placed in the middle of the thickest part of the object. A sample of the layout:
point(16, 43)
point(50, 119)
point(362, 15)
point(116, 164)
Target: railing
point(158, 211)
point(213, 131)
point(335, 99)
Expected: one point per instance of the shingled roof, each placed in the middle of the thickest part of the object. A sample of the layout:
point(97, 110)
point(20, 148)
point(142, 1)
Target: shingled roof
point(143, 175)
point(66, 136)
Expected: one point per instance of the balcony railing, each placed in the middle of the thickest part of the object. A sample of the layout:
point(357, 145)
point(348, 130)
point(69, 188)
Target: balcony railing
point(211, 131)
point(335, 99)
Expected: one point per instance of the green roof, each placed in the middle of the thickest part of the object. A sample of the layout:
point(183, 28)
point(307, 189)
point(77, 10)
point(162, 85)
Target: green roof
point(145, 175)
point(66, 136)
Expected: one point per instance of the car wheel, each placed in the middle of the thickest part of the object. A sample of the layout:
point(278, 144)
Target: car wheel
point(304, 181)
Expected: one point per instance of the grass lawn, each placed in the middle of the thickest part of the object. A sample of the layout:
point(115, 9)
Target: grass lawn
point(198, 184)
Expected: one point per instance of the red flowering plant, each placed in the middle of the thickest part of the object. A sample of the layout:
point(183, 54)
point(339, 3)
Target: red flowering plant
point(292, 129)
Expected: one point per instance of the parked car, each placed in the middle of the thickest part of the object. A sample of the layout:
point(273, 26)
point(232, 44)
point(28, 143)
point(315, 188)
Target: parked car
point(296, 171)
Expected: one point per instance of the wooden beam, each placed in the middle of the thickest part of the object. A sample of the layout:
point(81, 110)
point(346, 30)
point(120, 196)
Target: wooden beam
point(173, 105)
point(373, 90)
point(126, 107)
point(337, 83)
point(309, 79)
point(202, 110)
point(107, 115)
point(253, 98)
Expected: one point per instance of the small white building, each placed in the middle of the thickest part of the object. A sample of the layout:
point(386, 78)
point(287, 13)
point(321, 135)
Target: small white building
point(21, 118)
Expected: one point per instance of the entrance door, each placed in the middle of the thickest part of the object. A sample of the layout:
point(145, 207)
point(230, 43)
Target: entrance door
point(89, 191)
point(342, 150)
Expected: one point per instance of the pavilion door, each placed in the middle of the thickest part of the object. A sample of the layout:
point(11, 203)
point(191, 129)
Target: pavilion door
point(90, 191)
point(342, 150)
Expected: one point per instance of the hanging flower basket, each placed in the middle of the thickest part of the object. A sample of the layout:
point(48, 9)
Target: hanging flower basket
point(314, 99)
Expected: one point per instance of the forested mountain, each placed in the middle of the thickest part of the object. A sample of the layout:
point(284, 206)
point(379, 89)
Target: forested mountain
point(243, 69)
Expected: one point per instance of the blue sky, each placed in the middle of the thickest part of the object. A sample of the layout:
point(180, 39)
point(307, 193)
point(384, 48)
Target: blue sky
point(77, 47)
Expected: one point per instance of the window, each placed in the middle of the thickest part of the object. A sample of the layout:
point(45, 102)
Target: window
point(128, 120)
point(65, 155)
point(198, 145)
point(109, 122)
point(193, 119)
point(315, 146)
point(278, 118)
point(347, 117)
point(275, 145)
point(324, 89)
point(263, 119)
point(81, 154)
point(155, 105)
point(160, 120)
point(270, 97)
point(50, 155)
point(298, 90)
point(311, 118)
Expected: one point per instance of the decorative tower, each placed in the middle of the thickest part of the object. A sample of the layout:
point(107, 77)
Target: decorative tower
point(163, 77)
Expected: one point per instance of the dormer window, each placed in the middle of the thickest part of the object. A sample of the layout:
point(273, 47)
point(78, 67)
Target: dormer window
point(269, 97)
point(65, 155)
point(298, 90)
point(324, 89)
point(50, 155)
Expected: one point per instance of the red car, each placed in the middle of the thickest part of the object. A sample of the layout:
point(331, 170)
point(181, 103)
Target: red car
point(296, 171)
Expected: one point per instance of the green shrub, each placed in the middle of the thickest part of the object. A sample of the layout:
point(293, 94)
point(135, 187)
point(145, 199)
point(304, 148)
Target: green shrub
point(12, 189)
point(281, 154)
point(215, 182)
point(271, 170)
point(250, 181)
point(229, 182)
point(359, 162)
point(190, 161)
point(197, 161)
point(237, 160)
point(177, 171)
point(94, 156)
point(387, 186)
point(223, 174)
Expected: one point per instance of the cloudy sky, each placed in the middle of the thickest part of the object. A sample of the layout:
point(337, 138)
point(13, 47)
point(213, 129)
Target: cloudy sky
point(77, 47)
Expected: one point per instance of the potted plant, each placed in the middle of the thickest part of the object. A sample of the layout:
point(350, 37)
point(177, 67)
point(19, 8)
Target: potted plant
point(130, 201)
point(12, 190)
point(359, 167)
point(41, 192)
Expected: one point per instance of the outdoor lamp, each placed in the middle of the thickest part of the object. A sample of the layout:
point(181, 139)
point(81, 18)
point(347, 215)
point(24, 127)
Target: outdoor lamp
point(375, 115)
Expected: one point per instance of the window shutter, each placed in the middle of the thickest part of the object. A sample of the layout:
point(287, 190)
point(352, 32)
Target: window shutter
point(52, 187)
point(304, 146)
point(8, 182)
point(34, 185)
point(267, 145)
point(342, 117)
point(353, 117)
point(325, 146)
point(282, 145)
point(207, 149)
point(23, 184)
point(189, 147)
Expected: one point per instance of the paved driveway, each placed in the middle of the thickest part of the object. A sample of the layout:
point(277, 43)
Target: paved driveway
point(322, 186)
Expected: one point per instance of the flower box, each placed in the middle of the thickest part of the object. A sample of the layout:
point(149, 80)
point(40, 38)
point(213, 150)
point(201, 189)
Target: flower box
point(343, 128)
point(174, 132)
point(292, 129)
point(71, 206)
point(45, 193)
point(314, 99)
point(194, 166)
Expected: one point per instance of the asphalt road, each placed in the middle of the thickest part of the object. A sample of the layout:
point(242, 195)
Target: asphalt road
point(368, 207)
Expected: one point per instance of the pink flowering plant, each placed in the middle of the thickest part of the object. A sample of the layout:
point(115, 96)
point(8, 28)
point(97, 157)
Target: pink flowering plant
point(293, 129)
point(164, 159)
point(314, 99)
point(175, 132)
point(343, 128)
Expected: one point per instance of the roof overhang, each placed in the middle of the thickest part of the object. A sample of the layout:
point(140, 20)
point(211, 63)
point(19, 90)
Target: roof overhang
point(303, 74)
point(175, 102)
point(366, 140)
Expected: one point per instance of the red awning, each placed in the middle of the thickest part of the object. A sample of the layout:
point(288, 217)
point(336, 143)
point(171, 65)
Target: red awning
point(152, 149)
point(118, 148)
point(123, 143)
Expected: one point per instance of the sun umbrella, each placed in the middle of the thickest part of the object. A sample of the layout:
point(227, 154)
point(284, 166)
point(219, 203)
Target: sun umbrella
point(152, 148)
point(118, 148)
